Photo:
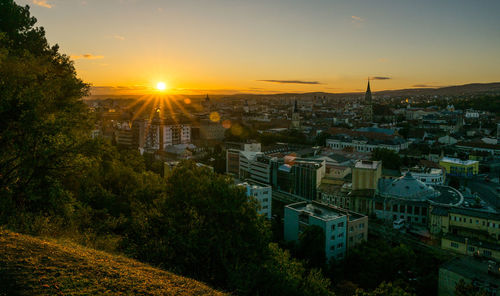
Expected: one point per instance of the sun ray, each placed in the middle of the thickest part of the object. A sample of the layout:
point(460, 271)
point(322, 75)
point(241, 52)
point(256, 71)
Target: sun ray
point(182, 109)
point(146, 101)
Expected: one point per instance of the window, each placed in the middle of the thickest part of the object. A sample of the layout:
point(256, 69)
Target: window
point(332, 248)
point(471, 249)
point(265, 200)
point(361, 225)
point(352, 228)
point(264, 207)
point(341, 224)
point(454, 244)
point(333, 237)
point(487, 253)
point(333, 227)
point(340, 245)
point(470, 220)
point(340, 234)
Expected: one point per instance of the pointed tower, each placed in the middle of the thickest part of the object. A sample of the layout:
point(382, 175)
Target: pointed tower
point(368, 116)
point(206, 103)
point(295, 116)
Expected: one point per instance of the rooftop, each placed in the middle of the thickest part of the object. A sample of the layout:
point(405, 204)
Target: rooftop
point(367, 164)
point(407, 187)
point(458, 161)
point(317, 209)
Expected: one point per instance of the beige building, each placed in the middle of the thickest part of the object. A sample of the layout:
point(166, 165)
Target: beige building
point(467, 231)
point(365, 174)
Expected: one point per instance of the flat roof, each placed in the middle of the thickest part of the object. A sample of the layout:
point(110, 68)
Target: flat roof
point(316, 209)
point(458, 161)
point(367, 164)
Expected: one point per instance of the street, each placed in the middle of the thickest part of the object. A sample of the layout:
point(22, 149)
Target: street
point(487, 191)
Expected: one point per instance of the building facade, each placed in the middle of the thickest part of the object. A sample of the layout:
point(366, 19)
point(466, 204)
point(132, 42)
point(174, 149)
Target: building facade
point(343, 229)
point(263, 194)
point(459, 168)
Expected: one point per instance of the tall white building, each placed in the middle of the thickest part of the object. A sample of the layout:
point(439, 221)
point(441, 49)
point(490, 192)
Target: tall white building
point(176, 134)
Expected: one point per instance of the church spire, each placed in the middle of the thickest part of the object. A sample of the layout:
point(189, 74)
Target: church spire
point(368, 94)
point(368, 103)
point(295, 108)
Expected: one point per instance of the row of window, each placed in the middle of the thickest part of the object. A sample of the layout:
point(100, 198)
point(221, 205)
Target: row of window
point(486, 253)
point(484, 223)
point(341, 224)
point(408, 218)
point(339, 236)
point(413, 210)
point(339, 246)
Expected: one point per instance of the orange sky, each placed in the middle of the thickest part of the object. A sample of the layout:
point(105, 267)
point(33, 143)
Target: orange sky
point(233, 46)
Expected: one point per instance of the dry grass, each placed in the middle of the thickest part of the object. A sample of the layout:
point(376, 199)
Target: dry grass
point(32, 266)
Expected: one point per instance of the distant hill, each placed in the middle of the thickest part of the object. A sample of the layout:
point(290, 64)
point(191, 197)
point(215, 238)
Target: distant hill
point(32, 266)
point(454, 90)
point(466, 89)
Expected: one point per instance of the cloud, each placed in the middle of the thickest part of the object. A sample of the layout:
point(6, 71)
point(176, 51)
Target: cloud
point(289, 81)
point(357, 20)
point(42, 3)
point(86, 56)
point(118, 37)
point(424, 85)
point(380, 78)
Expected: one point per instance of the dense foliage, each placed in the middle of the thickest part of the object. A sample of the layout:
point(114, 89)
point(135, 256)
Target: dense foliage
point(43, 122)
point(377, 261)
point(389, 158)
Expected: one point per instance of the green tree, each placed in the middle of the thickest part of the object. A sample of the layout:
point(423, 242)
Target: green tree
point(389, 158)
point(202, 226)
point(283, 275)
point(467, 289)
point(311, 246)
point(384, 289)
point(44, 123)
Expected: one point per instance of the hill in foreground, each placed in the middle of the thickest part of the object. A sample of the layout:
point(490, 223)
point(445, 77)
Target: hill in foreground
point(33, 266)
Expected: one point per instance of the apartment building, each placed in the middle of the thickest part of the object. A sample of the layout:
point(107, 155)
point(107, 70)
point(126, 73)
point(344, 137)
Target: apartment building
point(343, 229)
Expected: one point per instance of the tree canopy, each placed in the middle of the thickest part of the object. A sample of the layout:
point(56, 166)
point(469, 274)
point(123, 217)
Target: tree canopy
point(44, 125)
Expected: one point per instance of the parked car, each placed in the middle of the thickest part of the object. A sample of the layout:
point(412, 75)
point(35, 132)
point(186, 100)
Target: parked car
point(398, 224)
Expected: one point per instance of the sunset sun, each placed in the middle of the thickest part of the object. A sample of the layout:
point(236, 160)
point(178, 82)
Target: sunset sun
point(161, 86)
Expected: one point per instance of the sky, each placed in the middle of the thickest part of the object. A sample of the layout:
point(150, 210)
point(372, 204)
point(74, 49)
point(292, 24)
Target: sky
point(271, 46)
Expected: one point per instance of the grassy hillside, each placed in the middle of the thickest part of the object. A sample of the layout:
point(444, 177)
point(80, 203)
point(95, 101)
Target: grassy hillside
point(32, 266)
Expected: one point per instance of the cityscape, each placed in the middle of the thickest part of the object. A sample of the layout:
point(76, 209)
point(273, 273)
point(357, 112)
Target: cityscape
point(119, 181)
